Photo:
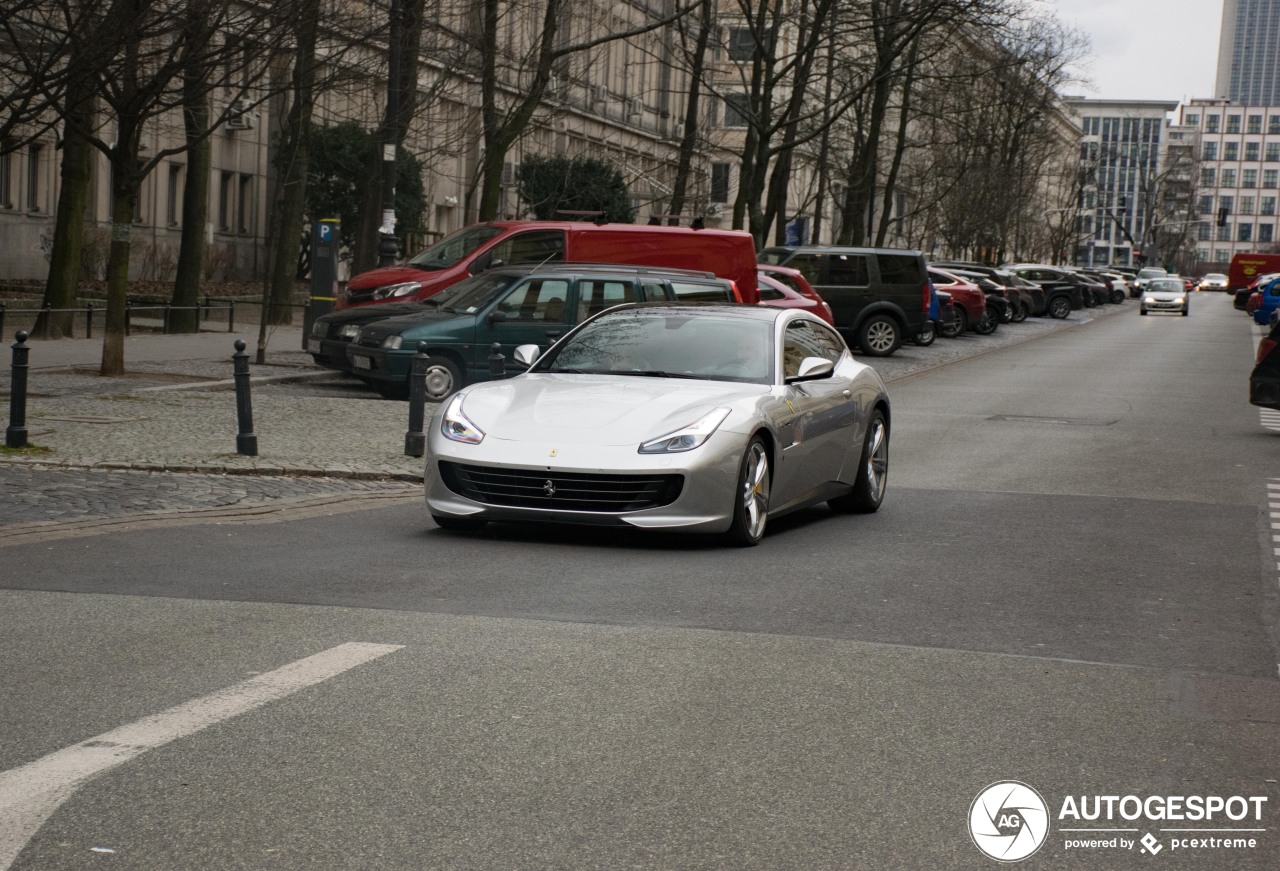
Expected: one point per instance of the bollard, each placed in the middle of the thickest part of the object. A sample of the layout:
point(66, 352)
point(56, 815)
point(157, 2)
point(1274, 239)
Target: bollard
point(88, 321)
point(415, 442)
point(45, 314)
point(231, 316)
point(497, 362)
point(246, 441)
point(128, 315)
point(15, 436)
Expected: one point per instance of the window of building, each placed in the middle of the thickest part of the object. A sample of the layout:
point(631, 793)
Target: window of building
point(225, 182)
point(173, 195)
point(1255, 124)
point(1246, 205)
point(244, 204)
point(1222, 254)
point(1273, 124)
point(1233, 123)
point(741, 44)
point(1267, 206)
point(1264, 232)
point(1193, 120)
point(1228, 178)
point(1202, 253)
point(1096, 127)
point(1231, 151)
point(1271, 178)
point(1210, 151)
point(1202, 233)
point(1224, 234)
point(1273, 152)
point(720, 182)
point(1208, 176)
point(1244, 232)
point(1206, 204)
point(737, 108)
point(1248, 178)
point(33, 177)
point(1252, 150)
point(1211, 123)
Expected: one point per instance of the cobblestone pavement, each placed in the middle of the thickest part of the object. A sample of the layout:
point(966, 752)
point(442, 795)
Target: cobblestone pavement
point(163, 439)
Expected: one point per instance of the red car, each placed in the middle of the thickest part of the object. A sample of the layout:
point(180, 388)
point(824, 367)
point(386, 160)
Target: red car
point(788, 288)
point(970, 301)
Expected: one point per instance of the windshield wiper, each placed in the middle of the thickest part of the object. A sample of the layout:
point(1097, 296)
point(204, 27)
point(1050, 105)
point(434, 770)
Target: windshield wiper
point(659, 373)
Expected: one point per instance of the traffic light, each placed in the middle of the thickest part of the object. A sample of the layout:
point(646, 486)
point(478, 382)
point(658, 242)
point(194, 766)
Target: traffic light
point(1222, 216)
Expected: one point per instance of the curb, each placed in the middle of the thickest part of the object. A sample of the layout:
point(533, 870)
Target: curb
point(216, 469)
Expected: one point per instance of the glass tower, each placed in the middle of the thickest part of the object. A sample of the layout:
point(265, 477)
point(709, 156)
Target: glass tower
point(1249, 53)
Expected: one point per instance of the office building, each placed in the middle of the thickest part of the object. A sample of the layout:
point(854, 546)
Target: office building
point(1249, 53)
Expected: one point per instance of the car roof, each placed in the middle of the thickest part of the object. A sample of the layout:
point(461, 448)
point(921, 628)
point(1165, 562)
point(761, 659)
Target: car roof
point(842, 249)
point(725, 309)
point(628, 269)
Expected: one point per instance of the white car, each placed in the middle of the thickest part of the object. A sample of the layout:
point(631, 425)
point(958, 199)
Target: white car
point(1213, 281)
point(1167, 294)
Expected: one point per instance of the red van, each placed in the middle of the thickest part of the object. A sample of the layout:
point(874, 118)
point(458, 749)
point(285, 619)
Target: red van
point(1245, 268)
point(728, 254)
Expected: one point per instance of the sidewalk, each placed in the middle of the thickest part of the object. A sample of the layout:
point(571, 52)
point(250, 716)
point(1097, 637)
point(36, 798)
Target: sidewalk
point(175, 410)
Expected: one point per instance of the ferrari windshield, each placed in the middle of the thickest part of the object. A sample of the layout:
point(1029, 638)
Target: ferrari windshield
point(666, 344)
point(454, 247)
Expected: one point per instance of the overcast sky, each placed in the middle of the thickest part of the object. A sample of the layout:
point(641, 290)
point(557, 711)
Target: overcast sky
point(1147, 49)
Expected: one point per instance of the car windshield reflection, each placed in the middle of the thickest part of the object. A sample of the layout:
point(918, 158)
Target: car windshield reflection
point(667, 345)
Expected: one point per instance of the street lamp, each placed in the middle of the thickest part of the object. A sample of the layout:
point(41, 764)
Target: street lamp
point(387, 247)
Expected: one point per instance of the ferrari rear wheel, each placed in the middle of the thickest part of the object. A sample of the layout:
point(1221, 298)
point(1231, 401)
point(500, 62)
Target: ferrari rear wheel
point(873, 471)
point(751, 501)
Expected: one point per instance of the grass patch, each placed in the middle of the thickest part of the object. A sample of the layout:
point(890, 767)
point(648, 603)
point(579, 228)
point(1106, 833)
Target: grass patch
point(25, 451)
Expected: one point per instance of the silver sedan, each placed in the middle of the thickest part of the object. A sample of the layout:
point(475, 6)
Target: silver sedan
point(698, 418)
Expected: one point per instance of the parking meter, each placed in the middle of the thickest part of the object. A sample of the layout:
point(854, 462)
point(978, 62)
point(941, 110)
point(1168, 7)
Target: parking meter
point(325, 238)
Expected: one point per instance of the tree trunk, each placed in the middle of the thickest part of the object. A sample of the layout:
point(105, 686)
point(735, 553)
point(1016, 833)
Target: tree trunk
point(185, 317)
point(65, 261)
point(124, 187)
point(689, 142)
point(295, 142)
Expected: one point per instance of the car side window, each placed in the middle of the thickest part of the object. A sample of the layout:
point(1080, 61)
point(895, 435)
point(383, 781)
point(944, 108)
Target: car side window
point(536, 246)
point(810, 266)
point(848, 270)
point(650, 291)
point(690, 292)
point(769, 293)
point(537, 299)
point(802, 341)
point(596, 295)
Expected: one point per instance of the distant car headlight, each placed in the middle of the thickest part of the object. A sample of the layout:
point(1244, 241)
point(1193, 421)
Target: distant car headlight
point(455, 426)
point(392, 343)
point(687, 438)
point(395, 291)
point(1178, 301)
point(349, 332)
point(319, 329)
point(1148, 299)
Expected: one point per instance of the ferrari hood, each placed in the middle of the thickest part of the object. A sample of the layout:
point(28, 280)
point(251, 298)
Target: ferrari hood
point(596, 409)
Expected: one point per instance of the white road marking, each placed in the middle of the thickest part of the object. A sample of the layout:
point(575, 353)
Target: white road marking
point(31, 793)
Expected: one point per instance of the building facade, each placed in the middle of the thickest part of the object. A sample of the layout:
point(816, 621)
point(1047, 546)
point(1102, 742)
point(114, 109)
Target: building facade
point(1248, 53)
point(1123, 176)
point(1239, 178)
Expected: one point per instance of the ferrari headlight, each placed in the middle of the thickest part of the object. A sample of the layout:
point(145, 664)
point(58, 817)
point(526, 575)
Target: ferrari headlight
point(689, 437)
point(455, 426)
point(392, 343)
point(349, 332)
point(395, 291)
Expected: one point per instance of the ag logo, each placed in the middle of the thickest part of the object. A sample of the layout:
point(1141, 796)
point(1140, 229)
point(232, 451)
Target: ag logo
point(1008, 821)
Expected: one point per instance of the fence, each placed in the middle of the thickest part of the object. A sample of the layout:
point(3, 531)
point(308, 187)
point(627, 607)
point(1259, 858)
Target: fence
point(153, 316)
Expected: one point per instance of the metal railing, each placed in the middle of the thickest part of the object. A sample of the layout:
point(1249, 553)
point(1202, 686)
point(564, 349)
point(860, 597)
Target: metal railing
point(207, 309)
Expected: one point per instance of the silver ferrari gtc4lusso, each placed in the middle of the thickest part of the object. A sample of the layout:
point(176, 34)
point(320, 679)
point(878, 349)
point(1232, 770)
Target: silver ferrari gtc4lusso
point(683, 417)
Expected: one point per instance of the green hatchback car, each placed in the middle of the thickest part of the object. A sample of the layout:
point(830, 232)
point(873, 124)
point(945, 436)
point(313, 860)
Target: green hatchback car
point(511, 306)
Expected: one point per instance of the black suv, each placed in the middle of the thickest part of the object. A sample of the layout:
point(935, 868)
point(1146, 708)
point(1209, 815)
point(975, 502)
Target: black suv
point(878, 296)
point(1063, 291)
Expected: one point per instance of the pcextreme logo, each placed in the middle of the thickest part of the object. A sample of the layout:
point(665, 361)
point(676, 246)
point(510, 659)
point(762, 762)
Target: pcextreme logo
point(1009, 821)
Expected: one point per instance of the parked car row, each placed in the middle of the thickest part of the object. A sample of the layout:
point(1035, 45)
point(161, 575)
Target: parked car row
point(463, 306)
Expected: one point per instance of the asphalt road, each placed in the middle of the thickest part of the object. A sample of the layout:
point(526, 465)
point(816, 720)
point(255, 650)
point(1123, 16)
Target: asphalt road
point(1072, 584)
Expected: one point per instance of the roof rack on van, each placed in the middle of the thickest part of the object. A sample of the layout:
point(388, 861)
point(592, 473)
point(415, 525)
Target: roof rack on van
point(596, 215)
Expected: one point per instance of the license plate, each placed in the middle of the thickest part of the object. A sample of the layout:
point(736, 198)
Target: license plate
point(359, 362)
point(313, 346)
